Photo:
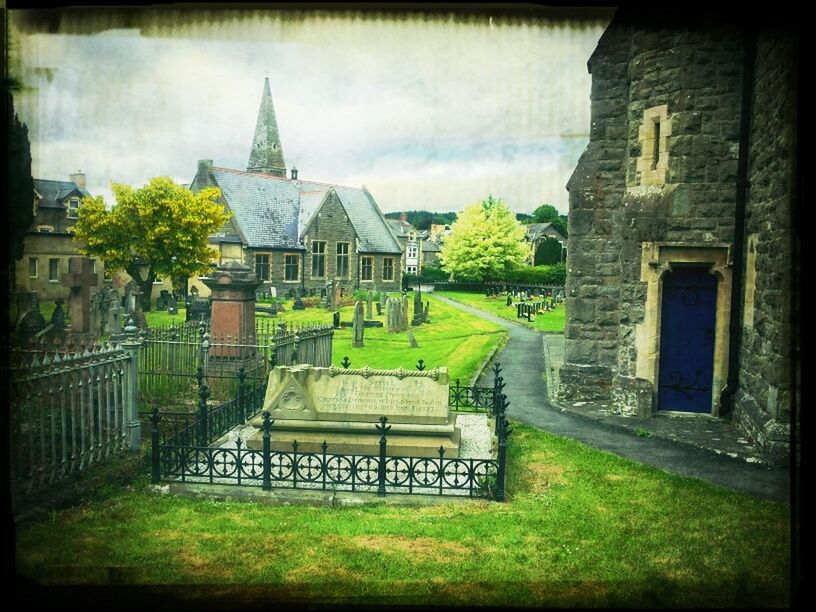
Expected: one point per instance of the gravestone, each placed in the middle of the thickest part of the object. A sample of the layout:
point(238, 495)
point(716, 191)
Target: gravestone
point(404, 313)
point(417, 320)
point(341, 406)
point(32, 322)
point(391, 315)
point(164, 300)
point(79, 279)
point(130, 296)
point(358, 325)
point(233, 288)
point(58, 316)
point(329, 302)
point(383, 299)
point(412, 339)
point(509, 300)
point(379, 308)
point(298, 305)
point(369, 315)
point(425, 312)
point(336, 320)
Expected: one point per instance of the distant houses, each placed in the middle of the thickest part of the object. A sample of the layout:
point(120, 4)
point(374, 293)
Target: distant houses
point(50, 241)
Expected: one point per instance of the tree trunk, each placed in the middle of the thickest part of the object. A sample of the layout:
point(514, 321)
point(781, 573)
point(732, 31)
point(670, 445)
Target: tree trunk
point(145, 285)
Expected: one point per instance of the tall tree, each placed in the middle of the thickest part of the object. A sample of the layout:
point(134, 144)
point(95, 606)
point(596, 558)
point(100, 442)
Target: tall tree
point(486, 241)
point(156, 231)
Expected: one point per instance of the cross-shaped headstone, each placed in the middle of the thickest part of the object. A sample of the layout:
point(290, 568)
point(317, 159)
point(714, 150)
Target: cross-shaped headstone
point(80, 278)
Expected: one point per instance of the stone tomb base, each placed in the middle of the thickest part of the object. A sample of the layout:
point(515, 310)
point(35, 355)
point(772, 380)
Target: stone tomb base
point(342, 407)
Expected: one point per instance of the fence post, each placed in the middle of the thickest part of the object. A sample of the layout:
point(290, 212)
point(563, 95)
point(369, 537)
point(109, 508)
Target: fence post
point(203, 415)
point(382, 428)
point(155, 466)
point(241, 394)
point(267, 452)
point(199, 376)
point(132, 344)
point(502, 469)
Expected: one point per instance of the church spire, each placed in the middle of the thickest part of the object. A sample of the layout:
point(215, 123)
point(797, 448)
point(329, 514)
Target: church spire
point(266, 154)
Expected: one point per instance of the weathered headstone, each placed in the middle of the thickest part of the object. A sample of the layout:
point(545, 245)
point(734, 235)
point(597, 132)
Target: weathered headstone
point(233, 286)
point(391, 315)
point(379, 308)
point(425, 312)
point(336, 319)
point(404, 313)
point(341, 406)
point(383, 298)
point(164, 300)
point(417, 320)
point(358, 325)
point(412, 339)
point(329, 302)
point(509, 300)
point(130, 296)
point(31, 323)
point(369, 315)
point(58, 316)
point(298, 305)
point(80, 278)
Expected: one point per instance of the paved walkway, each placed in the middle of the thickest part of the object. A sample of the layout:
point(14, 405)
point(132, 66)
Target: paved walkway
point(675, 443)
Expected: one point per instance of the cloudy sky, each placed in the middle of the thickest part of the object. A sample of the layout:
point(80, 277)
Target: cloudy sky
point(429, 112)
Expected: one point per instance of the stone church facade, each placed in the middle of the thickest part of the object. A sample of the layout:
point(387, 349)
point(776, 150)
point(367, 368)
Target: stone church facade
point(296, 234)
point(683, 261)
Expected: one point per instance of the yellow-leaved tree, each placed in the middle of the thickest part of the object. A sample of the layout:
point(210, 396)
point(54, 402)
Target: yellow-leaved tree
point(486, 242)
point(158, 230)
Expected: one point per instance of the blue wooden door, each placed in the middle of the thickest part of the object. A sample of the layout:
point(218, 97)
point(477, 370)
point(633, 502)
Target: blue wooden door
point(687, 340)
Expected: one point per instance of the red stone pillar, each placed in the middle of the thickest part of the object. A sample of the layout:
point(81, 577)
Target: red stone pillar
point(233, 288)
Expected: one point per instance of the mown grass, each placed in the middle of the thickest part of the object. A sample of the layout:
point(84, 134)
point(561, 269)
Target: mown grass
point(451, 338)
point(580, 528)
point(545, 322)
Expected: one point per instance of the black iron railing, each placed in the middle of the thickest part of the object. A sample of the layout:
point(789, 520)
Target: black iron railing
point(186, 455)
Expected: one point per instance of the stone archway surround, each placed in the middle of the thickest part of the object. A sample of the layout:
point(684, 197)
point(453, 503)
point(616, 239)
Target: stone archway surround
point(657, 259)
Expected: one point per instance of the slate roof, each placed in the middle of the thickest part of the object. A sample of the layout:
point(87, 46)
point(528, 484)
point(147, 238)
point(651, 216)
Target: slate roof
point(401, 228)
point(273, 211)
point(535, 231)
point(54, 192)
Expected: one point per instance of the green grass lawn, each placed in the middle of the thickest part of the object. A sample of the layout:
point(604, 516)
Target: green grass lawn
point(580, 528)
point(452, 338)
point(545, 322)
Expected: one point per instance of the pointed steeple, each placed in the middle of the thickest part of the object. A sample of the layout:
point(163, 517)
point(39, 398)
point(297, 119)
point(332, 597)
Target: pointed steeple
point(266, 154)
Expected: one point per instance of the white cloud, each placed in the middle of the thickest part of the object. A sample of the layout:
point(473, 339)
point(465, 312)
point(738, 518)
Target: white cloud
point(435, 114)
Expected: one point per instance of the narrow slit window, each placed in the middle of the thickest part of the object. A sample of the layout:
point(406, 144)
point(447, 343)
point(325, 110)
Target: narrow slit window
point(656, 145)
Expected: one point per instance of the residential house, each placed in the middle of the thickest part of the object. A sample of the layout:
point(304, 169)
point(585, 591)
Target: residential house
point(411, 242)
point(50, 241)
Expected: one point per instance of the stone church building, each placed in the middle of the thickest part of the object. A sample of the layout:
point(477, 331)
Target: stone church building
point(683, 261)
point(299, 234)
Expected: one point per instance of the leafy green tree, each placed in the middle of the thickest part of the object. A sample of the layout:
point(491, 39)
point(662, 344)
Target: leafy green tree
point(156, 231)
point(547, 213)
point(486, 241)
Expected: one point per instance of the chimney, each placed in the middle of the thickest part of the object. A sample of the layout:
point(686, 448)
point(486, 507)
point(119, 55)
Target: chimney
point(294, 173)
point(205, 165)
point(78, 177)
point(403, 217)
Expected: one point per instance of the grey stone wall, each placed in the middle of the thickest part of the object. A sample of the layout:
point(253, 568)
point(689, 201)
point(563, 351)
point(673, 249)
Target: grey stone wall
point(593, 253)
point(769, 349)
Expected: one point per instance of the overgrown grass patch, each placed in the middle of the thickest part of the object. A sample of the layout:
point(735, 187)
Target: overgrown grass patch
point(552, 321)
point(580, 528)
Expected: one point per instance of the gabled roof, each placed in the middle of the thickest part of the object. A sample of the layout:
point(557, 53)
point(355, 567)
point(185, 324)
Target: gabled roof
point(402, 229)
point(534, 231)
point(53, 193)
point(273, 211)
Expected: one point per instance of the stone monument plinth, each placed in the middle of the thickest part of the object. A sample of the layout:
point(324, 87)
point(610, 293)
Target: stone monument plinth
point(233, 288)
point(341, 407)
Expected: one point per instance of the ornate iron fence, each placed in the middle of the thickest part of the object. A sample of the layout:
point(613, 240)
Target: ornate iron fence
point(70, 410)
point(172, 357)
point(186, 456)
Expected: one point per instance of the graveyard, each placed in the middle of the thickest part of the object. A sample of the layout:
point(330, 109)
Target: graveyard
point(547, 321)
